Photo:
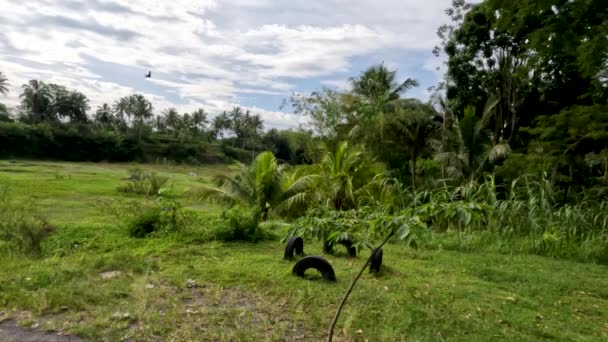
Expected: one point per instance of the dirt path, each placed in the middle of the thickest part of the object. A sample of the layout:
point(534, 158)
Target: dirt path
point(11, 332)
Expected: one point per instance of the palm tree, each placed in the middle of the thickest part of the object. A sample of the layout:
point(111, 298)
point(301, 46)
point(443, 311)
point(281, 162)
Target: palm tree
point(3, 84)
point(255, 125)
point(468, 147)
point(36, 99)
point(199, 120)
point(78, 105)
point(413, 125)
point(138, 107)
point(103, 116)
point(122, 112)
point(343, 172)
point(377, 88)
point(236, 122)
point(220, 123)
point(172, 120)
point(257, 185)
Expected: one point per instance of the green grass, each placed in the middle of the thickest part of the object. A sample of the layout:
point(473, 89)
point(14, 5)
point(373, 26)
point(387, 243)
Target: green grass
point(246, 291)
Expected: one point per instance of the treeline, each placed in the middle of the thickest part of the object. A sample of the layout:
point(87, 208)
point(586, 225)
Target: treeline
point(54, 122)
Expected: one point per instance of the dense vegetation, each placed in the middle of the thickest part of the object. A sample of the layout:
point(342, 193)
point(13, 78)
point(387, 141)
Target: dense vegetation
point(510, 154)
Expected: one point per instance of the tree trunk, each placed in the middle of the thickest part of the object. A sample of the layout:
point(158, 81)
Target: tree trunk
point(413, 172)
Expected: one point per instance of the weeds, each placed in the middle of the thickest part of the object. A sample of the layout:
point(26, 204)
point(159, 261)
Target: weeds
point(143, 183)
point(22, 229)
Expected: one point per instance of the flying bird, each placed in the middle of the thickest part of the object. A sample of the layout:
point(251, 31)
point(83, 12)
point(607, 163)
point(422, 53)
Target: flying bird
point(149, 74)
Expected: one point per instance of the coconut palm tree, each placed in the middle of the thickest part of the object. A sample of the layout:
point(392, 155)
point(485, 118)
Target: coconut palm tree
point(103, 116)
point(3, 84)
point(343, 172)
point(257, 185)
point(199, 120)
point(221, 123)
point(36, 99)
point(468, 147)
point(377, 88)
point(172, 120)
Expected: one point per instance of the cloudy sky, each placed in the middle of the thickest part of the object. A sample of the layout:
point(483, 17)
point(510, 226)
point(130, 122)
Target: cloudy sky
point(215, 54)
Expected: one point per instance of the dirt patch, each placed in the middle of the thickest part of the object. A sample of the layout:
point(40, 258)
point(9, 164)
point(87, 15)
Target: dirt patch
point(10, 331)
point(238, 311)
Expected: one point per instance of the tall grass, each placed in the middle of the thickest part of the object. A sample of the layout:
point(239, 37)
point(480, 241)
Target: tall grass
point(22, 228)
point(524, 216)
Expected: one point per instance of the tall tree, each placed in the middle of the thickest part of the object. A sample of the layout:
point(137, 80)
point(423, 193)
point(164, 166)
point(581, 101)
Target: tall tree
point(377, 87)
point(199, 120)
point(221, 123)
point(172, 120)
point(104, 116)
point(412, 126)
point(3, 84)
point(138, 108)
point(72, 105)
point(36, 100)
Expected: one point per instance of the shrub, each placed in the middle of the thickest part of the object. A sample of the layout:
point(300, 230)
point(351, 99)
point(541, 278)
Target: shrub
point(145, 223)
point(22, 229)
point(240, 224)
point(143, 183)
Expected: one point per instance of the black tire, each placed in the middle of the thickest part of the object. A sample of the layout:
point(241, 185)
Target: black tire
point(295, 244)
point(352, 251)
point(316, 262)
point(376, 262)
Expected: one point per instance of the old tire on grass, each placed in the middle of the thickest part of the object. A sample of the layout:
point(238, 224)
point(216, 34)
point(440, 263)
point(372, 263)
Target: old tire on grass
point(376, 262)
point(352, 251)
point(294, 244)
point(316, 262)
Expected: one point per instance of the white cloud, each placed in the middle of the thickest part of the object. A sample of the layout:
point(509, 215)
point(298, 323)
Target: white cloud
point(341, 85)
point(205, 53)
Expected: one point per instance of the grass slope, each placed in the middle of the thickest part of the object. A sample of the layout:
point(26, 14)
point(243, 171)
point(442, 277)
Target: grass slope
point(246, 292)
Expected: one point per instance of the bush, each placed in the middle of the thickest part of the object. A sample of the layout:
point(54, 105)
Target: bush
point(240, 224)
point(22, 229)
point(145, 223)
point(143, 183)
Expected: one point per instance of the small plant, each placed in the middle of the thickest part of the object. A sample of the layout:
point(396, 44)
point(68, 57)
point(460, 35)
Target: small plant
point(141, 219)
point(22, 229)
point(143, 183)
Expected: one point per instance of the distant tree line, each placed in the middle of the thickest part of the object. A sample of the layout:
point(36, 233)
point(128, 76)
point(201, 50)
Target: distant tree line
point(55, 122)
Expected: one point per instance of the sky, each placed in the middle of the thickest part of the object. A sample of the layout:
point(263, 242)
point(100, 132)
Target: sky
point(215, 54)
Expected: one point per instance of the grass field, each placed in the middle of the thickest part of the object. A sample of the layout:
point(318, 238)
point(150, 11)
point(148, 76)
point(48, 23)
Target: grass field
point(94, 281)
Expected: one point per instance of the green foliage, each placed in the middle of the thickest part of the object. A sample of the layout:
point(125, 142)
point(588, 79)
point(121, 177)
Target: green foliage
point(145, 223)
point(143, 183)
point(258, 185)
point(331, 227)
point(361, 227)
point(240, 223)
point(22, 228)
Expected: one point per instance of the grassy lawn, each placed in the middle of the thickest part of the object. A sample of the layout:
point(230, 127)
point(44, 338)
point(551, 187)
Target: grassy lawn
point(95, 281)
